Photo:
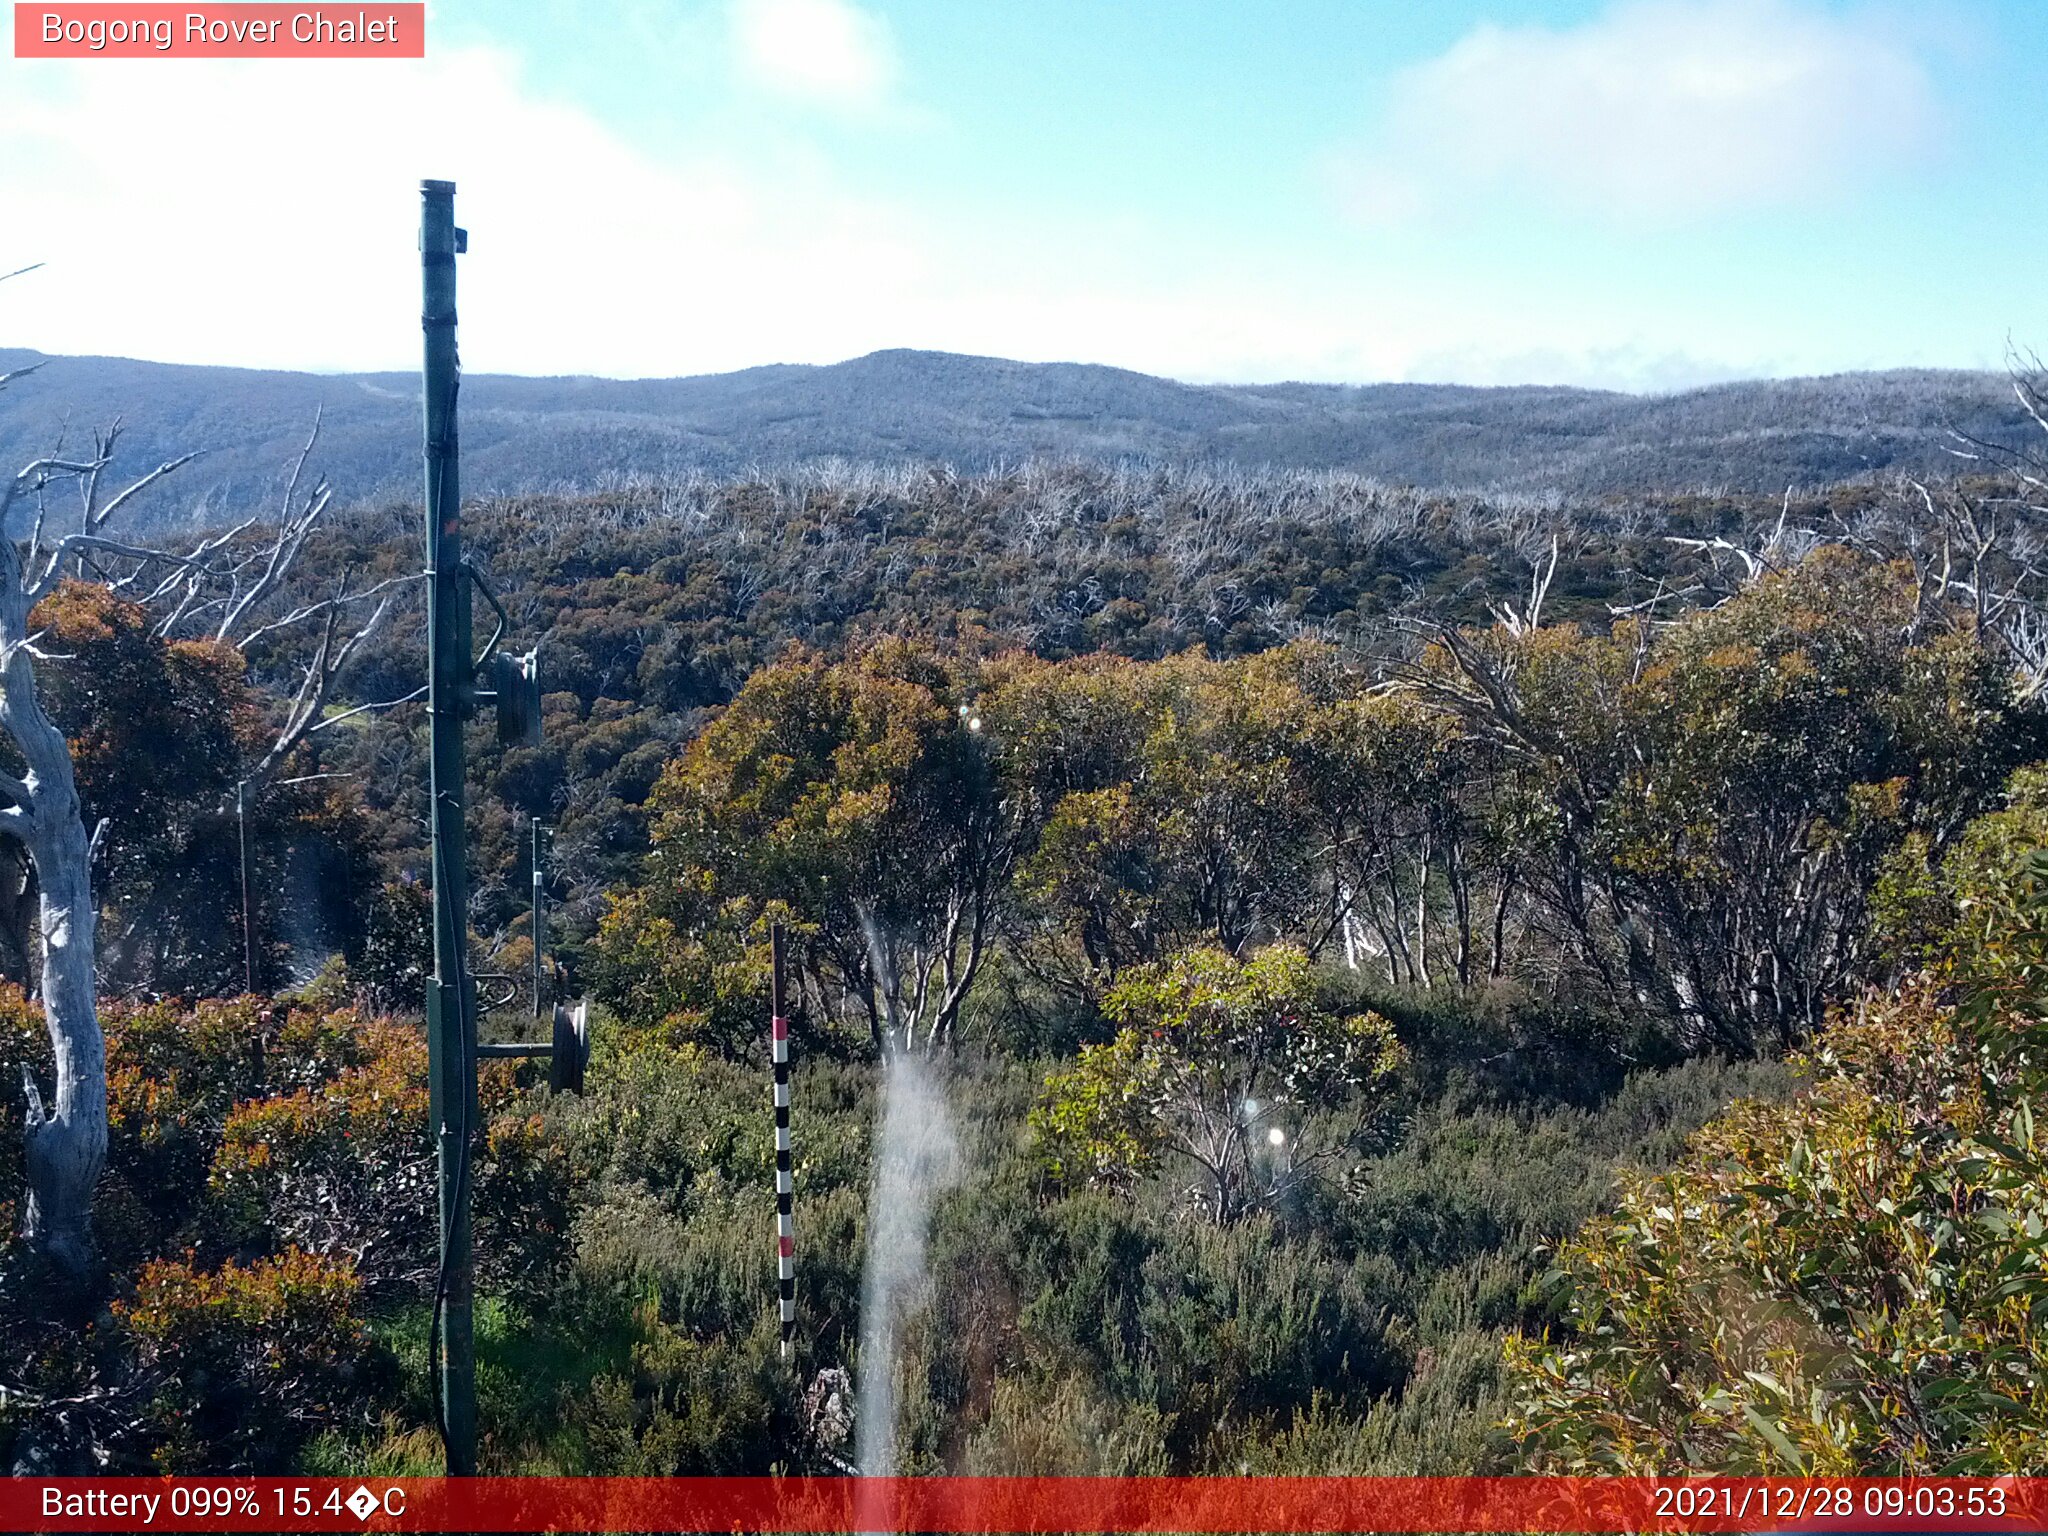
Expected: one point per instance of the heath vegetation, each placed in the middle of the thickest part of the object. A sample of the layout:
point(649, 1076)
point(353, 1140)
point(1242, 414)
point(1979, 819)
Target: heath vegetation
point(1424, 983)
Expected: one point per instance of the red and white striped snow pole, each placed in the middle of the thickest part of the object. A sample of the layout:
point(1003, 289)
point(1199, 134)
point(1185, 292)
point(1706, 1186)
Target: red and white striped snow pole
point(785, 1178)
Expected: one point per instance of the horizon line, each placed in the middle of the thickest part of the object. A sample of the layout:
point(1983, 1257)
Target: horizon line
point(991, 357)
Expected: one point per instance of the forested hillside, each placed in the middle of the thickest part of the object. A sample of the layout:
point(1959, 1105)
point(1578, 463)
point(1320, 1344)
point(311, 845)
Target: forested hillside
point(654, 607)
point(1312, 904)
point(525, 435)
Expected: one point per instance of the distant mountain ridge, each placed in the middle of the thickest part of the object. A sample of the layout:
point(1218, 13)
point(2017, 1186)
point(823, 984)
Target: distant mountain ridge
point(528, 434)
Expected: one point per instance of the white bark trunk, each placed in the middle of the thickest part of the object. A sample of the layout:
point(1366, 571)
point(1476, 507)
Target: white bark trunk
point(67, 1141)
point(65, 1144)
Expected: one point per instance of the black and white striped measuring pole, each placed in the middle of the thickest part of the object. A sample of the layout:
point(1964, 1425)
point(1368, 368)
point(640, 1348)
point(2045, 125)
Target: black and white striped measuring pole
point(785, 1178)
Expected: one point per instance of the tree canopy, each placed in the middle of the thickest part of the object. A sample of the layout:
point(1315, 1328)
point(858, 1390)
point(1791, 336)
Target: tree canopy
point(1218, 1063)
point(1854, 1283)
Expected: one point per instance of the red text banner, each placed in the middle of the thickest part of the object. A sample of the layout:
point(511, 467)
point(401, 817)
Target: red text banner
point(235, 31)
point(976, 1505)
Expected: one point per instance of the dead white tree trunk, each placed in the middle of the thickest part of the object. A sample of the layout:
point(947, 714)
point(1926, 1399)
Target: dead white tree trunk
point(66, 1137)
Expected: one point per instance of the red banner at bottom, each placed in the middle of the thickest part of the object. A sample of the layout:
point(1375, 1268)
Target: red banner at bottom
point(996, 1504)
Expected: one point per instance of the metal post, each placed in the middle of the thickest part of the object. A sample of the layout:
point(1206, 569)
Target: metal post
point(451, 996)
point(539, 925)
point(248, 929)
point(785, 1176)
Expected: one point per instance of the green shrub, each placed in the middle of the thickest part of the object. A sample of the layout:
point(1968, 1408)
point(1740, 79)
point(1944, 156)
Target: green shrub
point(248, 1362)
point(1227, 1068)
point(1852, 1285)
point(344, 1168)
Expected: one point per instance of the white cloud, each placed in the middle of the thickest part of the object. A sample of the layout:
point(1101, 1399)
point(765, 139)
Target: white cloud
point(263, 213)
point(1624, 366)
point(1657, 110)
point(822, 52)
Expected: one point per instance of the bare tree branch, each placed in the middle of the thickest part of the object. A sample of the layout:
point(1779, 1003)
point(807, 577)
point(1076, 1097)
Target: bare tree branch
point(299, 615)
point(1531, 618)
point(330, 658)
point(100, 519)
point(360, 709)
point(53, 573)
point(293, 528)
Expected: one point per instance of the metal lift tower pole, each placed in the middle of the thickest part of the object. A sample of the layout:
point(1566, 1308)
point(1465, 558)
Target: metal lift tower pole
point(451, 996)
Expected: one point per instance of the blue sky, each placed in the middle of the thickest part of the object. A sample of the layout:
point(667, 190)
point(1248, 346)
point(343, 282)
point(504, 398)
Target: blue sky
point(1639, 194)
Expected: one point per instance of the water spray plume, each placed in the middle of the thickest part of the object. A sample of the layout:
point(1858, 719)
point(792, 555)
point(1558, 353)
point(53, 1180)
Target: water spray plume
point(917, 1157)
